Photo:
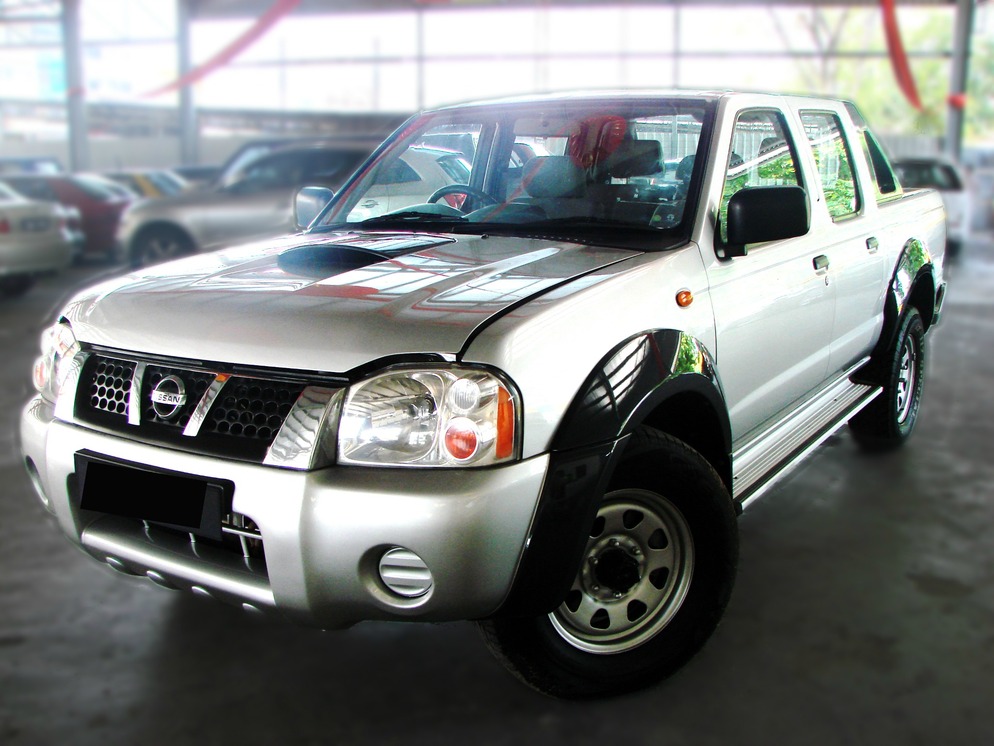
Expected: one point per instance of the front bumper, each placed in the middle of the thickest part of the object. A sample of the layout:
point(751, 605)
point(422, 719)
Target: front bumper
point(323, 532)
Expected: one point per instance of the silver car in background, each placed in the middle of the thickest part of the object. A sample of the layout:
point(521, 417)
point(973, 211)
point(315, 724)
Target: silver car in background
point(252, 200)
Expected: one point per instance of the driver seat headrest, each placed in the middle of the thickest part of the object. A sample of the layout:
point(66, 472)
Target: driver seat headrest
point(552, 176)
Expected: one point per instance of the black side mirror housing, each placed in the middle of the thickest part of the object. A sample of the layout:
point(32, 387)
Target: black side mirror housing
point(768, 213)
point(308, 203)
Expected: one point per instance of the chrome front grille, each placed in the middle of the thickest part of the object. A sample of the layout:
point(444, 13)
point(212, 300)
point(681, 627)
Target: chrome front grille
point(249, 417)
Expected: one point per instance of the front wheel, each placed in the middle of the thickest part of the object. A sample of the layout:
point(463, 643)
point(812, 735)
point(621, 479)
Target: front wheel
point(13, 286)
point(160, 244)
point(890, 418)
point(656, 574)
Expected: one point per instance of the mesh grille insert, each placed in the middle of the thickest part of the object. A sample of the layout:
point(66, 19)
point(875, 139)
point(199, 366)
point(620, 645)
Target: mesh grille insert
point(252, 409)
point(110, 386)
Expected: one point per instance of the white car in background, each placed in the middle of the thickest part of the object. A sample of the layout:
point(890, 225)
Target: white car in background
point(948, 179)
point(412, 179)
point(34, 239)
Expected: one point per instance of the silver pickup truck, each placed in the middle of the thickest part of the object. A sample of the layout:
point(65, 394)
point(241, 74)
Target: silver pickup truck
point(536, 397)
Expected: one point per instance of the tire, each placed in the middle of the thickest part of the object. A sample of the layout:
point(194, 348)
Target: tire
point(160, 244)
point(889, 419)
point(656, 575)
point(13, 286)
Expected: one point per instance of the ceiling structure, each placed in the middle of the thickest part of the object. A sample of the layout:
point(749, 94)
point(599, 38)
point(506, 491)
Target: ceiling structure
point(229, 9)
point(267, 12)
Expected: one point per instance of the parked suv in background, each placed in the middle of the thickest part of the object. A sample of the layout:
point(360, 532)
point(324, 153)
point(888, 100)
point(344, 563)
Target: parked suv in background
point(945, 177)
point(251, 199)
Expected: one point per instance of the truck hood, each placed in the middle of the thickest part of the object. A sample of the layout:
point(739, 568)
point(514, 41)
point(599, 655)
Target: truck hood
point(327, 303)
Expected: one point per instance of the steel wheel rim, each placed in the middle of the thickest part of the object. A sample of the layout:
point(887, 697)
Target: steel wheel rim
point(907, 378)
point(639, 538)
point(159, 248)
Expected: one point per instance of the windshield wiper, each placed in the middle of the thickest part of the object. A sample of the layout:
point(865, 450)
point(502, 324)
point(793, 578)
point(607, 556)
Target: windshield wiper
point(408, 217)
point(582, 222)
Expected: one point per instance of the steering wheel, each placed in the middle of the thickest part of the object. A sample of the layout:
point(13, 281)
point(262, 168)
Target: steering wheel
point(479, 195)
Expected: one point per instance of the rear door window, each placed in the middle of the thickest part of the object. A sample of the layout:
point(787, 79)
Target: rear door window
point(834, 161)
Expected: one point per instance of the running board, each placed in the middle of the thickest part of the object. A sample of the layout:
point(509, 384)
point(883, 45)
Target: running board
point(769, 457)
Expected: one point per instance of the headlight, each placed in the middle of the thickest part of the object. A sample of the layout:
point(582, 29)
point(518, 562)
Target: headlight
point(58, 347)
point(446, 416)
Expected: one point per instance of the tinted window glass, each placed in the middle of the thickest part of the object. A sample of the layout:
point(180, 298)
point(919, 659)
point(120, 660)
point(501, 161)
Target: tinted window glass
point(834, 162)
point(33, 188)
point(8, 195)
point(928, 174)
point(399, 173)
point(885, 183)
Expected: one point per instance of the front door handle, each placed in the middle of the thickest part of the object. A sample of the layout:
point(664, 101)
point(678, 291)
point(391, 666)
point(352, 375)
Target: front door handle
point(820, 263)
point(872, 244)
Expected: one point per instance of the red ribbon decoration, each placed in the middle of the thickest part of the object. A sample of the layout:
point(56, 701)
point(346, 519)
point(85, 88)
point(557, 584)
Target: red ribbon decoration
point(265, 22)
point(898, 58)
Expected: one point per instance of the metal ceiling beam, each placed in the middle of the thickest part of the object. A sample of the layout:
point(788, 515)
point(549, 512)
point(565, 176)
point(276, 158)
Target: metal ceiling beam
point(203, 10)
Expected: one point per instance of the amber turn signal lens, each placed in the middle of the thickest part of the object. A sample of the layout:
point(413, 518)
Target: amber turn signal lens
point(505, 424)
point(684, 298)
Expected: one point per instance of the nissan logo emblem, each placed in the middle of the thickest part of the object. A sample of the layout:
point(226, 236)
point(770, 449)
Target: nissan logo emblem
point(168, 397)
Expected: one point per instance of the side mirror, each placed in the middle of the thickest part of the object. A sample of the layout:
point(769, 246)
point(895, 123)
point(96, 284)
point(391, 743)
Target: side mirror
point(761, 214)
point(308, 203)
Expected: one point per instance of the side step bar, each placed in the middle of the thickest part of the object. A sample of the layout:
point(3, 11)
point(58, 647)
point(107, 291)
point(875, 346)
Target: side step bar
point(770, 456)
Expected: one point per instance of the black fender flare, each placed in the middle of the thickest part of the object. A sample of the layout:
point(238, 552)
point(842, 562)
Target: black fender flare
point(912, 283)
point(633, 381)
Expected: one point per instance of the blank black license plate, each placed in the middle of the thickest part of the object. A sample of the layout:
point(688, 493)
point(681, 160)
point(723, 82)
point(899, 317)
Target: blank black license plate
point(172, 499)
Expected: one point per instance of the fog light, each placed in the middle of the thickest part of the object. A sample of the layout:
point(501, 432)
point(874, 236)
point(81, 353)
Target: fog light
point(405, 573)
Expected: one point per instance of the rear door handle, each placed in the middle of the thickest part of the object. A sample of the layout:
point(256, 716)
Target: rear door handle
point(820, 263)
point(872, 244)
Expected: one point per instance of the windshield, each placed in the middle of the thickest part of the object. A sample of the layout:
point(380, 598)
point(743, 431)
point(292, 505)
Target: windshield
point(9, 195)
point(601, 171)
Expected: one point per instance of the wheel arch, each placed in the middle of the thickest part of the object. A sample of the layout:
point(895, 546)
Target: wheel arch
point(912, 285)
point(664, 379)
